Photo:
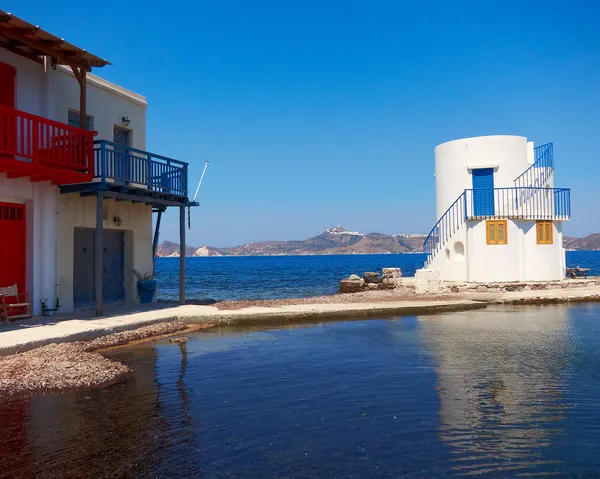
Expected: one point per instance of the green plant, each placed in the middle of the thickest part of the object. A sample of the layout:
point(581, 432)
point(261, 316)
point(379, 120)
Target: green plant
point(145, 277)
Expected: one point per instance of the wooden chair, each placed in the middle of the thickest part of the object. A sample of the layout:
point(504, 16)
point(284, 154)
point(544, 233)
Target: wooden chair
point(19, 308)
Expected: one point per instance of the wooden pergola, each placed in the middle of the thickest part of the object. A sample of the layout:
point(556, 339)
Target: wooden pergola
point(30, 41)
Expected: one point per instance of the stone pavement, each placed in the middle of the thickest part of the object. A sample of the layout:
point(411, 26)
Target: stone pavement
point(23, 335)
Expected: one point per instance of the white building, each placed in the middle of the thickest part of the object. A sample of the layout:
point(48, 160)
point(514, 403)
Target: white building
point(500, 217)
point(76, 204)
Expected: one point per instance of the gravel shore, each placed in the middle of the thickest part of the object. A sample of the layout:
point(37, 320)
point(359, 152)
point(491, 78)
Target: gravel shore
point(397, 294)
point(58, 367)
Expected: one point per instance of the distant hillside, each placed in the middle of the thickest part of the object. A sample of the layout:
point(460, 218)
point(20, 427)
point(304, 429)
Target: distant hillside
point(169, 249)
point(336, 240)
point(590, 242)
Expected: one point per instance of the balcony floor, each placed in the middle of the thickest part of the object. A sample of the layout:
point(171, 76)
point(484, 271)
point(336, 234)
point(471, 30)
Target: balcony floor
point(130, 192)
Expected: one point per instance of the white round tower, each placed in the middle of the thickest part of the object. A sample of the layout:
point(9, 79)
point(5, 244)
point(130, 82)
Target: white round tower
point(508, 157)
point(499, 217)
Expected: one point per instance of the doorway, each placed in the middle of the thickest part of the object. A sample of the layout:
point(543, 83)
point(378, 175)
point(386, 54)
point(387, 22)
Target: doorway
point(13, 244)
point(483, 192)
point(122, 167)
point(113, 287)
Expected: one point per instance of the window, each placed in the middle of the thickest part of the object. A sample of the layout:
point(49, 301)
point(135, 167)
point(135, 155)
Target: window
point(496, 232)
point(544, 232)
point(73, 120)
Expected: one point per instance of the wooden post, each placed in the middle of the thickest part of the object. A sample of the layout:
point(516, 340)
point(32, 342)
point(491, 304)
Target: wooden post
point(83, 100)
point(99, 253)
point(80, 75)
point(155, 241)
point(182, 255)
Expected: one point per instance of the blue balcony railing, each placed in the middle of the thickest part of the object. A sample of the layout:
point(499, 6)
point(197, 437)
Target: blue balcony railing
point(518, 203)
point(498, 203)
point(138, 168)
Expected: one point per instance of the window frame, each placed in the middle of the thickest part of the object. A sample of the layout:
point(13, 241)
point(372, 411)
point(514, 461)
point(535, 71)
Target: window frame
point(89, 119)
point(493, 225)
point(543, 238)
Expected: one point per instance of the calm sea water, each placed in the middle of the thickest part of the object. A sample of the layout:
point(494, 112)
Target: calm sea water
point(494, 393)
point(275, 277)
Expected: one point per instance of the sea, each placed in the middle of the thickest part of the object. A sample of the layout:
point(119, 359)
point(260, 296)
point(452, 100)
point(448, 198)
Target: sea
point(219, 278)
point(511, 391)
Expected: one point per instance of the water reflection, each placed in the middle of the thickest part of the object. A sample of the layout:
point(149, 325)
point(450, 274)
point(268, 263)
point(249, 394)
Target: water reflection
point(499, 393)
point(500, 379)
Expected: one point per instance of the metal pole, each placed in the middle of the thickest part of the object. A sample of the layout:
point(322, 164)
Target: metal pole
point(155, 241)
point(182, 255)
point(99, 253)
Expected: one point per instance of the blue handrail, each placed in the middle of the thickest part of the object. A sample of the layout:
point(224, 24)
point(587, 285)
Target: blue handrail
point(131, 165)
point(446, 226)
point(539, 172)
point(528, 203)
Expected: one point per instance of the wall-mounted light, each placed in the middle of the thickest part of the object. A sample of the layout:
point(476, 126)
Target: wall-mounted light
point(117, 220)
point(126, 121)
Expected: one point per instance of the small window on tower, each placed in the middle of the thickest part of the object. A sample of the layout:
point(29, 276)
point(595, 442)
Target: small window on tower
point(544, 232)
point(496, 232)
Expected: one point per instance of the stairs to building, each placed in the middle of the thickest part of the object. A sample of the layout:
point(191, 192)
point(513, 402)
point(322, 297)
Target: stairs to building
point(529, 187)
point(540, 172)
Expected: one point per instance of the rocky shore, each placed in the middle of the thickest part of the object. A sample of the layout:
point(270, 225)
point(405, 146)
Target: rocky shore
point(58, 367)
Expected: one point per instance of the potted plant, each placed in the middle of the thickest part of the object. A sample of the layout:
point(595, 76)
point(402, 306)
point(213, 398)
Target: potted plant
point(146, 286)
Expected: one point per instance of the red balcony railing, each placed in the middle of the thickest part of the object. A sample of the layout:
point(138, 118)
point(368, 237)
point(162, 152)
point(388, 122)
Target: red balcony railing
point(44, 150)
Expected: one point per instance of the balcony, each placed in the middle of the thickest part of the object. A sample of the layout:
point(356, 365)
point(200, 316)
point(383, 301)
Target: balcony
point(517, 203)
point(136, 169)
point(44, 150)
point(526, 203)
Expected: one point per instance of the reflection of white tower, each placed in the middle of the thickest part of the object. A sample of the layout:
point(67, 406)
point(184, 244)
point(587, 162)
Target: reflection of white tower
point(500, 217)
point(499, 383)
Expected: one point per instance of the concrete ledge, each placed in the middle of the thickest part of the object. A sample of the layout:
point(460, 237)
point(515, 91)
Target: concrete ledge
point(335, 311)
point(25, 335)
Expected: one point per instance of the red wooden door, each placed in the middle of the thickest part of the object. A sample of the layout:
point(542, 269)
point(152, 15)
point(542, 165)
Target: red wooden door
point(8, 73)
point(13, 245)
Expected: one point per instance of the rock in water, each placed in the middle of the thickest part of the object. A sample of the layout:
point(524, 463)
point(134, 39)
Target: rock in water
point(181, 339)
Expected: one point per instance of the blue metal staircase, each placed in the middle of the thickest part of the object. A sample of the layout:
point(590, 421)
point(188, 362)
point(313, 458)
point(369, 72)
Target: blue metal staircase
point(538, 174)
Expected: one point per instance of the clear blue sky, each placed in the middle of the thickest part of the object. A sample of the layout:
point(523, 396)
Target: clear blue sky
point(319, 113)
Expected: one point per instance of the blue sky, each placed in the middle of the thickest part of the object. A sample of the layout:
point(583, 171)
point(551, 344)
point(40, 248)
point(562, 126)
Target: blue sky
point(315, 114)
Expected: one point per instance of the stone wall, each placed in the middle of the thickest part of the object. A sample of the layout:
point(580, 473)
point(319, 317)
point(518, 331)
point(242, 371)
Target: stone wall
point(427, 281)
point(390, 278)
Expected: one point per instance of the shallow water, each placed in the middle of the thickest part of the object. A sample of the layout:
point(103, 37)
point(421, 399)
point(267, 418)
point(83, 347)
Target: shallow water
point(499, 393)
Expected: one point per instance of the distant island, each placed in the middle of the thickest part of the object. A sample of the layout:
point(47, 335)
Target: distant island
point(339, 240)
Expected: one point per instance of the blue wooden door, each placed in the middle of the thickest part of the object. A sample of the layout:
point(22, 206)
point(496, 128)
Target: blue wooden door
point(483, 192)
point(112, 274)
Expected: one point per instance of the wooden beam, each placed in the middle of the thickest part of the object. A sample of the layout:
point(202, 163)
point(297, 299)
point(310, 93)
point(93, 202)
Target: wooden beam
point(126, 197)
point(11, 47)
point(182, 255)
point(15, 34)
point(99, 253)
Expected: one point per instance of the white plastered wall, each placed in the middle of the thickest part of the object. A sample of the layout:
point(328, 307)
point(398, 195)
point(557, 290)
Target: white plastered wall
point(521, 259)
point(78, 212)
point(51, 94)
point(40, 201)
point(455, 160)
